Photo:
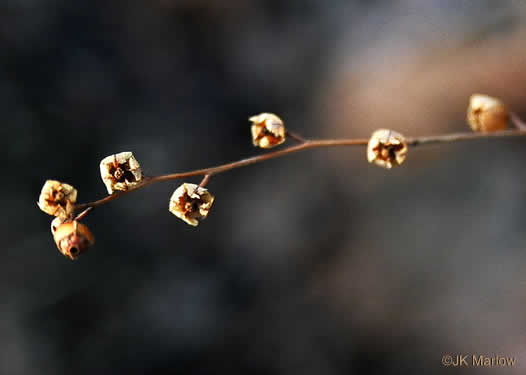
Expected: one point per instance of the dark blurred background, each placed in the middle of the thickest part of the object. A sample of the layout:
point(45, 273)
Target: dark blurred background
point(317, 263)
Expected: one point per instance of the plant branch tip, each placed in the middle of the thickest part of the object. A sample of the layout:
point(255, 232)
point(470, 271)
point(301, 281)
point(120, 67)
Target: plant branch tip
point(121, 173)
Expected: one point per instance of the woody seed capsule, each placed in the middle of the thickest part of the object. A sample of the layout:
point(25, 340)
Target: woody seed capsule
point(268, 130)
point(386, 148)
point(120, 172)
point(57, 198)
point(191, 203)
point(487, 114)
point(72, 238)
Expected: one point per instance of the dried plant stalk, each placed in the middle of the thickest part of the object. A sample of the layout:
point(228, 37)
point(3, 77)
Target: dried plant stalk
point(191, 203)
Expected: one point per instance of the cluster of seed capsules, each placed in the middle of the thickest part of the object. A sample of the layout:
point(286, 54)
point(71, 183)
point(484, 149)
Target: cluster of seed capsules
point(119, 172)
point(192, 203)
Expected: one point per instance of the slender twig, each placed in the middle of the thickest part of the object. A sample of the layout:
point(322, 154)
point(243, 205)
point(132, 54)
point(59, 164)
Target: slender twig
point(83, 213)
point(456, 137)
point(296, 137)
point(205, 180)
point(305, 144)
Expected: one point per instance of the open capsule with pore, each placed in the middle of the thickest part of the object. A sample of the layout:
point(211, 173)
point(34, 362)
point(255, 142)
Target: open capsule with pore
point(72, 238)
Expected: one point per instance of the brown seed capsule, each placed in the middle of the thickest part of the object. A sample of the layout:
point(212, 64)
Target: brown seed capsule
point(487, 114)
point(191, 203)
point(386, 148)
point(57, 198)
point(267, 130)
point(120, 172)
point(72, 238)
point(55, 223)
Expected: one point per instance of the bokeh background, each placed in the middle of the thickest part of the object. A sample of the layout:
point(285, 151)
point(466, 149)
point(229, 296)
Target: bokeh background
point(318, 263)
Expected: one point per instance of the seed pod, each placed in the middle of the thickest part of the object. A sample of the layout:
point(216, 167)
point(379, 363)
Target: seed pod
point(55, 223)
point(191, 203)
point(72, 238)
point(268, 130)
point(487, 114)
point(386, 148)
point(57, 198)
point(120, 172)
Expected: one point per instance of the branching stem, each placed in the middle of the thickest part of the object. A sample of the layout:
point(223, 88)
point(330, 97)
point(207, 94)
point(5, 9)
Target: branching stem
point(304, 144)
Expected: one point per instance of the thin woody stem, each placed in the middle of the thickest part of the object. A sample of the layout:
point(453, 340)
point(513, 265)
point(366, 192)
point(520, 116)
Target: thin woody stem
point(205, 180)
point(226, 167)
point(296, 137)
point(83, 213)
point(305, 144)
point(457, 137)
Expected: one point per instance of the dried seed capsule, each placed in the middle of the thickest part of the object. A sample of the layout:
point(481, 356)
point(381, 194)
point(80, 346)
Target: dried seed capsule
point(55, 223)
point(120, 172)
point(57, 198)
point(191, 203)
point(267, 130)
point(386, 148)
point(72, 238)
point(487, 114)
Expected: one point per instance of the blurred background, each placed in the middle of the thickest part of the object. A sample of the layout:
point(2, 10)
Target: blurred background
point(318, 263)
